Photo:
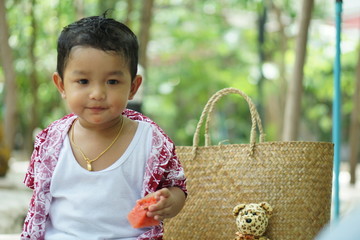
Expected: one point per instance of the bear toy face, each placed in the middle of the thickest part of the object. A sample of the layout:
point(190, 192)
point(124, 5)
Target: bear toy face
point(252, 219)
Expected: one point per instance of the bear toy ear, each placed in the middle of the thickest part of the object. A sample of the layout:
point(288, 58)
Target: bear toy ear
point(267, 207)
point(238, 208)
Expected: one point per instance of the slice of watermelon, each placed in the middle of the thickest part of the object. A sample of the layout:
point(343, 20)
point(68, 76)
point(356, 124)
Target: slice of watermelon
point(137, 216)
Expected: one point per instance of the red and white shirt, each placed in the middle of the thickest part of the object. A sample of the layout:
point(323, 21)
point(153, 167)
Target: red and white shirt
point(162, 170)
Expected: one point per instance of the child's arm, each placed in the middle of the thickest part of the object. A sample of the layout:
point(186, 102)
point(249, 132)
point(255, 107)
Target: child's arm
point(170, 202)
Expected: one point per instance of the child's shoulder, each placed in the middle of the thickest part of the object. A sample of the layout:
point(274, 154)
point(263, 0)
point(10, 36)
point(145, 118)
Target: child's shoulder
point(60, 124)
point(64, 121)
point(134, 115)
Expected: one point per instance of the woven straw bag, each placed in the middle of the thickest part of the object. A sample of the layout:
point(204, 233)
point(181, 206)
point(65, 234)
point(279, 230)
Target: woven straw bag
point(294, 177)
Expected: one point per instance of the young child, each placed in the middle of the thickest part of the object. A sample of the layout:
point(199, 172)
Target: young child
point(89, 168)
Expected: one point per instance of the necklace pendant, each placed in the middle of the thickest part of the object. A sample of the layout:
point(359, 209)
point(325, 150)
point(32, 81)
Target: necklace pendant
point(88, 161)
point(88, 165)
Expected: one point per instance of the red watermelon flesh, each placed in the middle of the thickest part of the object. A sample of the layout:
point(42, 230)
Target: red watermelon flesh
point(137, 216)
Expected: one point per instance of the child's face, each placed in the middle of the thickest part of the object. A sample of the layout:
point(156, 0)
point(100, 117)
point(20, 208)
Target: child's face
point(97, 84)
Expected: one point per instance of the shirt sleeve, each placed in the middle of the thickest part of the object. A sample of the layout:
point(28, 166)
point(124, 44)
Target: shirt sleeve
point(174, 175)
point(29, 176)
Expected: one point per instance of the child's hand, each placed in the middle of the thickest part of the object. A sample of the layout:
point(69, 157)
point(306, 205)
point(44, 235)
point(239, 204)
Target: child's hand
point(169, 203)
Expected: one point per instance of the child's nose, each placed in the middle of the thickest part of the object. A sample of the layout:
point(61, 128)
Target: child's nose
point(97, 93)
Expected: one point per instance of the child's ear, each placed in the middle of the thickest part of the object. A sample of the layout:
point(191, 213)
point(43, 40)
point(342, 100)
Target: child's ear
point(59, 84)
point(135, 86)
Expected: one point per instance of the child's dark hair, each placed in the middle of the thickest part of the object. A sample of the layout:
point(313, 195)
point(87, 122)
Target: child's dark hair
point(101, 33)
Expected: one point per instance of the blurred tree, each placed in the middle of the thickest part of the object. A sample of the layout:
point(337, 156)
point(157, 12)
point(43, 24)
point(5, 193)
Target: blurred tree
point(129, 11)
point(261, 22)
point(33, 120)
point(354, 133)
point(199, 52)
point(80, 8)
point(4, 154)
point(143, 38)
point(104, 6)
point(295, 88)
point(6, 58)
point(281, 39)
point(144, 34)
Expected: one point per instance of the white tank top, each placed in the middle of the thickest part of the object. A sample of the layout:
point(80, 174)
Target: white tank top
point(94, 205)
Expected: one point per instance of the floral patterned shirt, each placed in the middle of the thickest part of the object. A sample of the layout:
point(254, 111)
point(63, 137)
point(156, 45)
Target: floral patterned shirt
point(162, 170)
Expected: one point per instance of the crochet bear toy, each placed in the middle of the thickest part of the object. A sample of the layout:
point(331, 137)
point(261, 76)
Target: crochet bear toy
point(252, 220)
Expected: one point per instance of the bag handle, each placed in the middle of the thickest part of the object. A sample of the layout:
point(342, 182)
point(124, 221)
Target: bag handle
point(209, 107)
point(253, 112)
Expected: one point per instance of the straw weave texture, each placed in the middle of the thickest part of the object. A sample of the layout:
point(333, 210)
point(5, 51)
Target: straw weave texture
point(294, 177)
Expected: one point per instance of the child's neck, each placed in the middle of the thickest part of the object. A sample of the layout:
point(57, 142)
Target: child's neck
point(110, 126)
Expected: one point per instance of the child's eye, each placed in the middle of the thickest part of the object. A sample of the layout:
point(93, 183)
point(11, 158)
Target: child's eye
point(83, 81)
point(112, 82)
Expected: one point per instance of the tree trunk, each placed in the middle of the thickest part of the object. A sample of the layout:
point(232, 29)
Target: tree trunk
point(10, 79)
point(295, 87)
point(262, 16)
point(282, 70)
point(129, 10)
point(33, 117)
point(144, 34)
point(79, 9)
point(354, 134)
point(144, 37)
point(105, 5)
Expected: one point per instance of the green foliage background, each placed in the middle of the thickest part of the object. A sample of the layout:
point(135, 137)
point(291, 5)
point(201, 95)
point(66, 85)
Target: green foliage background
point(195, 50)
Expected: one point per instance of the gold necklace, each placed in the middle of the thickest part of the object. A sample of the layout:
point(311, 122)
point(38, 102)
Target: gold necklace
point(89, 161)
